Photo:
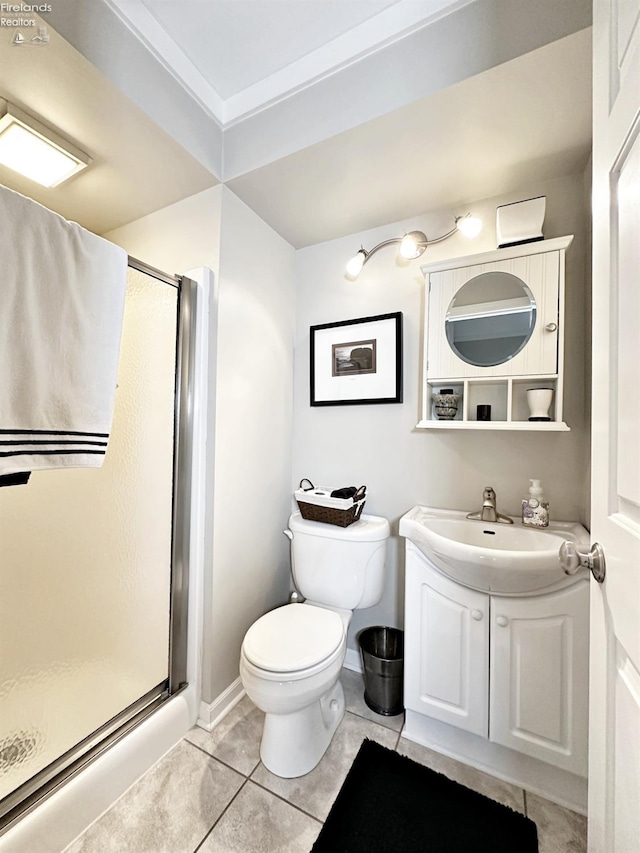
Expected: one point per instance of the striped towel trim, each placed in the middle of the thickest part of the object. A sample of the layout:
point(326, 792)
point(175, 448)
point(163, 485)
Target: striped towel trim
point(41, 442)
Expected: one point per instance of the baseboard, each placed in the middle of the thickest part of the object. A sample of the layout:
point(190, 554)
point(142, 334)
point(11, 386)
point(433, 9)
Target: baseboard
point(352, 660)
point(210, 715)
point(561, 787)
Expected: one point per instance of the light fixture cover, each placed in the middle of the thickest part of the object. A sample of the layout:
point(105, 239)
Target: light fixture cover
point(413, 244)
point(35, 151)
point(356, 263)
point(469, 225)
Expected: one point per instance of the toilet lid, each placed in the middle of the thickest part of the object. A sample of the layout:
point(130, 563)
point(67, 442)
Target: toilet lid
point(293, 637)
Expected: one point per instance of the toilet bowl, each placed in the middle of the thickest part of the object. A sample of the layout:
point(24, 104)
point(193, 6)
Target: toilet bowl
point(290, 666)
point(291, 657)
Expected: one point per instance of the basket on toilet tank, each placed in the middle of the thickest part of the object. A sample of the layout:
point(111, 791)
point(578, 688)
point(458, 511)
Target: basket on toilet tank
point(322, 504)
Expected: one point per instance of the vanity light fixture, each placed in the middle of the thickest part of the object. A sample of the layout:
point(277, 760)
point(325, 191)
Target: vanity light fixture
point(33, 150)
point(413, 244)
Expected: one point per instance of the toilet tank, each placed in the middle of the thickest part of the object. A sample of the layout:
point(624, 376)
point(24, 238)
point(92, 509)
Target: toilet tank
point(339, 566)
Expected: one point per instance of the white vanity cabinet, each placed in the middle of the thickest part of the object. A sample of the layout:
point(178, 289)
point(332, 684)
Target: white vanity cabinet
point(493, 329)
point(510, 670)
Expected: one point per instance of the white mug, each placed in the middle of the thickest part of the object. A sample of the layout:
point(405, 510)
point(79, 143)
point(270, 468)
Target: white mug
point(539, 400)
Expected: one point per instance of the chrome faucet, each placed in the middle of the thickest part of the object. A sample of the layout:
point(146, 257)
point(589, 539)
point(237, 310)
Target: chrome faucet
point(489, 511)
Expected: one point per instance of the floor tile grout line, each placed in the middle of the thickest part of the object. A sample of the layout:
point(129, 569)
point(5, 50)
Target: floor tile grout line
point(285, 800)
point(222, 814)
point(249, 778)
point(369, 720)
point(224, 763)
point(362, 717)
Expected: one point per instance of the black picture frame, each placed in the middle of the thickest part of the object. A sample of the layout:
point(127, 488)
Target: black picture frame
point(356, 362)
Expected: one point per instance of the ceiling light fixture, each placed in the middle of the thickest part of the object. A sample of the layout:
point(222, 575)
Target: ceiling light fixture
point(35, 151)
point(413, 244)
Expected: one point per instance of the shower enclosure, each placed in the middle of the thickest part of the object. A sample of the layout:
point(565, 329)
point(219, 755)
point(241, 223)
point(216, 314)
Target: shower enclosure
point(94, 565)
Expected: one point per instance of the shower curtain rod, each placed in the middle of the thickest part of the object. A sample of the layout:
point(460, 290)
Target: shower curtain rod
point(140, 266)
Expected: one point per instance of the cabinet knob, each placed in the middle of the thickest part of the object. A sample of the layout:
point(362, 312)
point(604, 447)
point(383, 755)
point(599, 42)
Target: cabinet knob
point(477, 615)
point(551, 327)
point(502, 621)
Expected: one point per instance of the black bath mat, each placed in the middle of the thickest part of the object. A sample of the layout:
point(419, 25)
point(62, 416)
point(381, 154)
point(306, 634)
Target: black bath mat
point(390, 804)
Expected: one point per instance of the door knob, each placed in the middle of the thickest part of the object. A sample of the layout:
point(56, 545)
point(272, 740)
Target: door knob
point(502, 621)
point(571, 559)
point(551, 327)
point(477, 615)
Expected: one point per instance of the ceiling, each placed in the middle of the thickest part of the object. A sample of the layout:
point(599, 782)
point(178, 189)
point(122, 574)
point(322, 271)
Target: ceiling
point(274, 36)
point(502, 131)
point(331, 116)
point(137, 167)
point(239, 56)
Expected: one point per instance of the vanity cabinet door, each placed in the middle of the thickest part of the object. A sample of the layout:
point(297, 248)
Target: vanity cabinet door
point(541, 274)
point(446, 653)
point(539, 676)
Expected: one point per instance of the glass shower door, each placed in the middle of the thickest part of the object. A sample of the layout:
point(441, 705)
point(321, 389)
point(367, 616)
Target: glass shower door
point(85, 563)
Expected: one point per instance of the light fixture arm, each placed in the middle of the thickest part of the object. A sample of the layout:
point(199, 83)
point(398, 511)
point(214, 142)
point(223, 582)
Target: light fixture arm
point(417, 243)
point(419, 237)
point(368, 254)
point(447, 235)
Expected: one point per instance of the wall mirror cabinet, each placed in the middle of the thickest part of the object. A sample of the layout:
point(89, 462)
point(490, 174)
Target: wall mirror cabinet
point(493, 331)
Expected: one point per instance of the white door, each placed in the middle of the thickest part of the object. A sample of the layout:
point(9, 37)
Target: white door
point(539, 665)
point(614, 756)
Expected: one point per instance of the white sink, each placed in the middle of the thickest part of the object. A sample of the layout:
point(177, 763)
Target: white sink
point(501, 558)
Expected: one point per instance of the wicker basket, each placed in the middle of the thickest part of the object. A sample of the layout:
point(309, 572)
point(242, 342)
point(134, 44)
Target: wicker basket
point(318, 505)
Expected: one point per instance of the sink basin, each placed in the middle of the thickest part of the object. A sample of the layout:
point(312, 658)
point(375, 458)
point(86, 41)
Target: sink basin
point(503, 558)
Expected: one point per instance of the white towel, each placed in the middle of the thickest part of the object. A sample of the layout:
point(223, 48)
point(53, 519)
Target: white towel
point(62, 292)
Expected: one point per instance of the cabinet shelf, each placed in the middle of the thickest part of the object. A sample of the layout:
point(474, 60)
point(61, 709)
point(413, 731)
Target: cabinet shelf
point(507, 398)
point(546, 426)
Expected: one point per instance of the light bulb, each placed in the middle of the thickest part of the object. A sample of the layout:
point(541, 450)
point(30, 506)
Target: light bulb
point(409, 247)
point(356, 263)
point(469, 225)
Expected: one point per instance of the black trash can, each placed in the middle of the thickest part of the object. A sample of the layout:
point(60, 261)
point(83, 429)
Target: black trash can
point(382, 652)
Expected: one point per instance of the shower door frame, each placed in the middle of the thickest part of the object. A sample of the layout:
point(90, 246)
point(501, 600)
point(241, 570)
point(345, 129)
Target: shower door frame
point(42, 785)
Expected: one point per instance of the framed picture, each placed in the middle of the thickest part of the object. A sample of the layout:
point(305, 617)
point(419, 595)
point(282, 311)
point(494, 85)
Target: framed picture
point(357, 361)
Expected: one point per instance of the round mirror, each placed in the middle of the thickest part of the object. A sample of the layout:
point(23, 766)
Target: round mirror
point(490, 319)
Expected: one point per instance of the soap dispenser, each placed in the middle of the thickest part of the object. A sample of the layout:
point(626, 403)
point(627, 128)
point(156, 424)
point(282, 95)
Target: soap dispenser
point(535, 509)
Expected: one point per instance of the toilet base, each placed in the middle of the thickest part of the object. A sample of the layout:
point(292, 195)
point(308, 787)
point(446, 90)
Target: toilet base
point(293, 744)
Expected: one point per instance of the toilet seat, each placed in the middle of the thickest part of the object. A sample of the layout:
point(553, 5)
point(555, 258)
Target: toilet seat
point(294, 637)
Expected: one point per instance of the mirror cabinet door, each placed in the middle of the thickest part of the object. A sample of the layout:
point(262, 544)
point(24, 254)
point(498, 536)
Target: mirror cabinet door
point(495, 319)
point(490, 319)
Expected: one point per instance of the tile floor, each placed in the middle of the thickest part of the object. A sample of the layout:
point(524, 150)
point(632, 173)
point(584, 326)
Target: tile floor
point(212, 794)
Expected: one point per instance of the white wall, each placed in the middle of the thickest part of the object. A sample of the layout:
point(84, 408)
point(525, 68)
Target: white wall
point(253, 436)
point(377, 444)
point(177, 238)
point(250, 407)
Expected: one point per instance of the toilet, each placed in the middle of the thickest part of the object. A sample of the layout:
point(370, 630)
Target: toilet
point(291, 657)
